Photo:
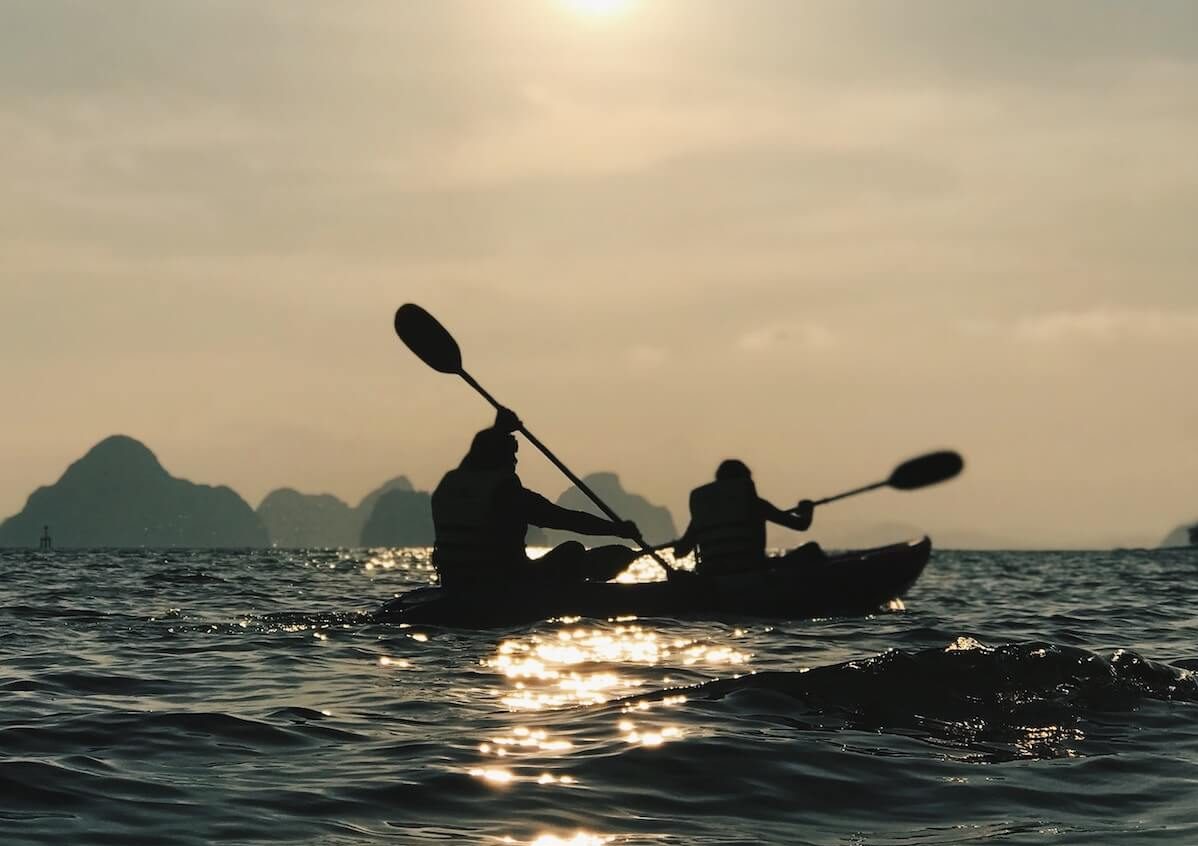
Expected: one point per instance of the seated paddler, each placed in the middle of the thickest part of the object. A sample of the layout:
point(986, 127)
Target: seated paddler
point(481, 513)
point(728, 520)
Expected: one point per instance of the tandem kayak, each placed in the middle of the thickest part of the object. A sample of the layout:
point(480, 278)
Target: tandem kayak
point(848, 583)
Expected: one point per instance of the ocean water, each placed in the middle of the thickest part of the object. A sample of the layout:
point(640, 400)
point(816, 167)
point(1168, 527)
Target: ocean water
point(165, 697)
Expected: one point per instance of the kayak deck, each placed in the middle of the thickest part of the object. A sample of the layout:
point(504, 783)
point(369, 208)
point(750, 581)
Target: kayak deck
point(850, 583)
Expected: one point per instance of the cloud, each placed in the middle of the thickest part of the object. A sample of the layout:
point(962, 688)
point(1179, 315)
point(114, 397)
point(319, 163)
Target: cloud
point(1105, 324)
point(810, 336)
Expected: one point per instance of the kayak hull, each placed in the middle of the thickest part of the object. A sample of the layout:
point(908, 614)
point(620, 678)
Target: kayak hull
point(846, 584)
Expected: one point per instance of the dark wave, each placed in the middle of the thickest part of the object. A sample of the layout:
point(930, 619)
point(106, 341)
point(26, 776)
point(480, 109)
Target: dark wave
point(1018, 700)
point(182, 576)
point(150, 731)
point(86, 683)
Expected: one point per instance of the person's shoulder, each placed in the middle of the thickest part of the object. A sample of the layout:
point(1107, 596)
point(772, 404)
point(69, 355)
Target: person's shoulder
point(513, 485)
point(529, 492)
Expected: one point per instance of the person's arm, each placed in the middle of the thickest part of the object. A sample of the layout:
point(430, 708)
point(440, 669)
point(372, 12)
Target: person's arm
point(799, 519)
point(541, 512)
point(685, 544)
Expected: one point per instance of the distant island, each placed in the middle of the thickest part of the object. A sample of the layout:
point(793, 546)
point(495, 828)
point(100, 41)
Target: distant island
point(655, 521)
point(297, 520)
point(394, 514)
point(400, 518)
point(1184, 535)
point(119, 495)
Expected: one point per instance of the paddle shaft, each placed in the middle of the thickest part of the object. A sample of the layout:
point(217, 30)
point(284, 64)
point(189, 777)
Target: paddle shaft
point(578, 483)
point(853, 492)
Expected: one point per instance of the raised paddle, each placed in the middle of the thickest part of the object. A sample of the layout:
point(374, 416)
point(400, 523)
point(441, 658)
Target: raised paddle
point(433, 345)
point(930, 469)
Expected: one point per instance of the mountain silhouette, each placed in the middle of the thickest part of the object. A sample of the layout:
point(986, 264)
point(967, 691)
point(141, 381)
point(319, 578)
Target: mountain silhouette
point(298, 520)
point(400, 518)
point(655, 521)
point(403, 517)
point(366, 506)
point(118, 494)
point(1180, 536)
point(393, 514)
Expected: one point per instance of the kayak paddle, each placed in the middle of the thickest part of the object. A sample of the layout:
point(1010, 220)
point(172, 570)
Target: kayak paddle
point(432, 344)
point(930, 469)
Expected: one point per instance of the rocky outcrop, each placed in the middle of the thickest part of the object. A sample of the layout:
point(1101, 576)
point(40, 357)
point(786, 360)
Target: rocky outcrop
point(119, 495)
point(297, 520)
point(1181, 535)
point(400, 518)
point(366, 506)
point(655, 521)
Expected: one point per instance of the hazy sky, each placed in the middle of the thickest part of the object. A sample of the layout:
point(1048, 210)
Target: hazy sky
point(822, 237)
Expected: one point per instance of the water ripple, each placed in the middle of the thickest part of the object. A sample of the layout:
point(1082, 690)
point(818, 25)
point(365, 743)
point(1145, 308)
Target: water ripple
point(248, 696)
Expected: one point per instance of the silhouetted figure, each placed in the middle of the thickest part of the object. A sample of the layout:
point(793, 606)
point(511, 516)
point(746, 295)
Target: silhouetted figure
point(1194, 535)
point(728, 525)
point(46, 543)
point(481, 513)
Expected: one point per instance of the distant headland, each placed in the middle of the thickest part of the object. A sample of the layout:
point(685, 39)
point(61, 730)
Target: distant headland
point(119, 495)
point(1184, 535)
point(298, 520)
point(655, 521)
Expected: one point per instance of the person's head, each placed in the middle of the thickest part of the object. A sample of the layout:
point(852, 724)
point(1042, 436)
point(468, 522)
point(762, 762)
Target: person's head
point(732, 468)
point(491, 449)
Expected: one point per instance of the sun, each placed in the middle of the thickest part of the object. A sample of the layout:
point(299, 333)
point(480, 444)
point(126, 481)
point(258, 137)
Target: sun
point(598, 8)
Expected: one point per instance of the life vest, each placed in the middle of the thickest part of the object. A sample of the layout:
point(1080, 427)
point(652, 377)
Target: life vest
point(728, 526)
point(475, 535)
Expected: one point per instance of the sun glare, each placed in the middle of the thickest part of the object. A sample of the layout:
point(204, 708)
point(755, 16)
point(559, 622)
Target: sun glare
point(598, 8)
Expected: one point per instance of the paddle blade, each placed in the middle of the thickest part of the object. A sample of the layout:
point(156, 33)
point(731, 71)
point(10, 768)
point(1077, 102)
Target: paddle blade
point(926, 470)
point(431, 341)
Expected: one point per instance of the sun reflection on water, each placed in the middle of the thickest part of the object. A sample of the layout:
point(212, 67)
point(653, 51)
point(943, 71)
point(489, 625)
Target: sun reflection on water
point(547, 670)
point(414, 560)
point(579, 838)
point(1049, 741)
point(494, 775)
point(523, 738)
point(588, 665)
point(650, 738)
point(645, 569)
